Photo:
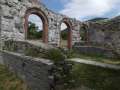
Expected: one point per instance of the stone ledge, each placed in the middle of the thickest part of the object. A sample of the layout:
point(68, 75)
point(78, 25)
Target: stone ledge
point(95, 63)
point(45, 61)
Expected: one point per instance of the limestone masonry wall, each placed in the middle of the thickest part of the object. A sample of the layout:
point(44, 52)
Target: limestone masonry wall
point(12, 21)
point(13, 15)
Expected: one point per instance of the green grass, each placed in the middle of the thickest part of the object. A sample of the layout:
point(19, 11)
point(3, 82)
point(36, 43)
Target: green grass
point(96, 78)
point(94, 57)
point(9, 81)
point(56, 55)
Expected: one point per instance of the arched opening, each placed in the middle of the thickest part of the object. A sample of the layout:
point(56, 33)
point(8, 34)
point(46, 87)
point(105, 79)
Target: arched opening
point(84, 34)
point(36, 25)
point(65, 34)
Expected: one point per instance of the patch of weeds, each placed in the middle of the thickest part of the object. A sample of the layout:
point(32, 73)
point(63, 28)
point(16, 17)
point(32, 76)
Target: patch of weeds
point(9, 81)
point(55, 55)
point(96, 78)
point(95, 57)
point(34, 52)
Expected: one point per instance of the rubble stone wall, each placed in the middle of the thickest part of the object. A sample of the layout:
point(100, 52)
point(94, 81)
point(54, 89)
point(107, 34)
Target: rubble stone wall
point(106, 34)
point(12, 13)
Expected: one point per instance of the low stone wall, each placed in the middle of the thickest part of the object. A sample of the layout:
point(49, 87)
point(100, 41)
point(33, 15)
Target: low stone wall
point(22, 46)
point(91, 50)
point(34, 71)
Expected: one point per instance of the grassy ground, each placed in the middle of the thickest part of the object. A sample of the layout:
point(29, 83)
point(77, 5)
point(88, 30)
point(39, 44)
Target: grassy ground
point(96, 78)
point(99, 58)
point(88, 77)
point(9, 81)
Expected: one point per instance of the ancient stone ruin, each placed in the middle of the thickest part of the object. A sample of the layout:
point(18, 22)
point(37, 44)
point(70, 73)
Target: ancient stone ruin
point(14, 22)
point(14, 26)
point(89, 37)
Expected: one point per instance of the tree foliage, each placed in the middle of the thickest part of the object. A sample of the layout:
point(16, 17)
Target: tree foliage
point(34, 32)
point(64, 34)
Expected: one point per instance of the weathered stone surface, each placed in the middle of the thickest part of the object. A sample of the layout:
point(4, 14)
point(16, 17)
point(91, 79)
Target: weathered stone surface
point(13, 20)
point(7, 24)
point(104, 34)
point(34, 71)
point(91, 50)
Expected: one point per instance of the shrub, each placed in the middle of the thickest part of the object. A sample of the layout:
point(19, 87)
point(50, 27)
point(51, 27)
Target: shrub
point(55, 55)
point(34, 52)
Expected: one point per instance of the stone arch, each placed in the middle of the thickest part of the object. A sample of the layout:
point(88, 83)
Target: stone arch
point(69, 25)
point(44, 19)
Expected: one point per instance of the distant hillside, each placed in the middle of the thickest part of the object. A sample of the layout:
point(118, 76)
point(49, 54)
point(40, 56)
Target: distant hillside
point(112, 24)
point(97, 19)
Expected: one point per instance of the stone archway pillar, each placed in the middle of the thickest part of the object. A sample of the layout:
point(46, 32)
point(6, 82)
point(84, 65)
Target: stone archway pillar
point(69, 25)
point(45, 33)
point(38, 12)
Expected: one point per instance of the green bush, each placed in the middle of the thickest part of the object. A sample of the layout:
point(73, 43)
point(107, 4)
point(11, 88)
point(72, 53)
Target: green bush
point(55, 55)
point(33, 32)
point(71, 54)
point(34, 52)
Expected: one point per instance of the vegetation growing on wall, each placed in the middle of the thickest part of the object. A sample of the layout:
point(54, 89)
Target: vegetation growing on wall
point(71, 75)
point(74, 76)
point(55, 55)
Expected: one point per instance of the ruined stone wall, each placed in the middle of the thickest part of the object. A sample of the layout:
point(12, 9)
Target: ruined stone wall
point(96, 33)
point(106, 34)
point(13, 20)
point(32, 70)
